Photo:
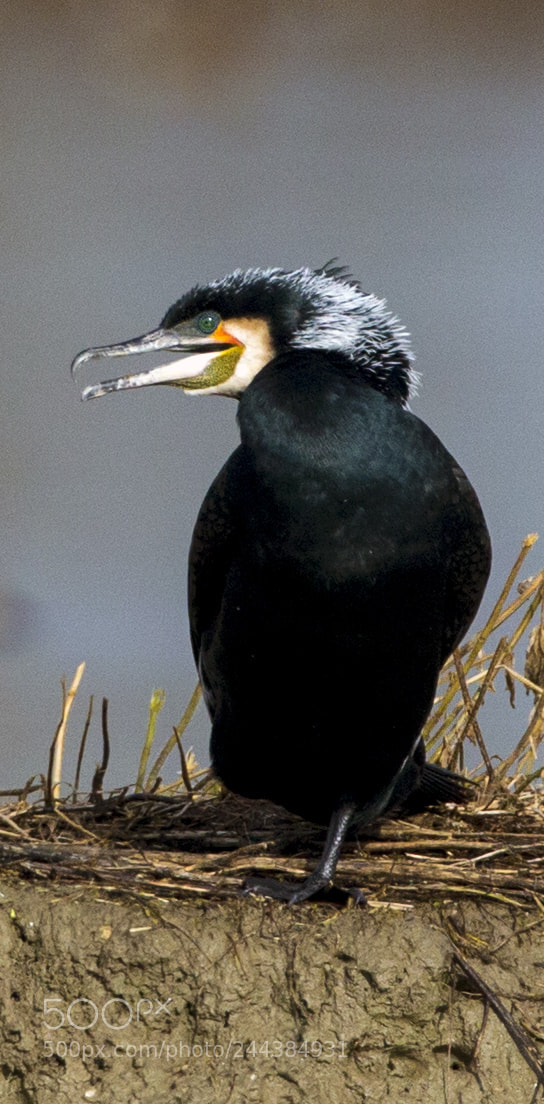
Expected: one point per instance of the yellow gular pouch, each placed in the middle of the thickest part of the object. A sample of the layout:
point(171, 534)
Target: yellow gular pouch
point(219, 370)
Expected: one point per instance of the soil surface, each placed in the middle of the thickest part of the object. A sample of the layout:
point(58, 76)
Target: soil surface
point(113, 999)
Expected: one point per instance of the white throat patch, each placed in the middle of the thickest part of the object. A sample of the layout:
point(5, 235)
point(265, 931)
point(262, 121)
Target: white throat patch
point(258, 350)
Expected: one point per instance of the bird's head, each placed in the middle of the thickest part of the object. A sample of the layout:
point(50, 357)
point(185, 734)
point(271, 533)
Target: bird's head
point(219, 336)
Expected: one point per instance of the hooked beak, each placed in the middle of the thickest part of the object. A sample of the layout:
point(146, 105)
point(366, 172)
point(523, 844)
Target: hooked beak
point(196, 354)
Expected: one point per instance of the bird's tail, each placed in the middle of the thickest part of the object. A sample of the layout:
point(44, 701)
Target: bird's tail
point(423, 784)
point(437, 784)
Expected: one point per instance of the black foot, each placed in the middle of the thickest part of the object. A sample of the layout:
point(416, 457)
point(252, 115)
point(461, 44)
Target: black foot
point(321, 879)
point(294, 893)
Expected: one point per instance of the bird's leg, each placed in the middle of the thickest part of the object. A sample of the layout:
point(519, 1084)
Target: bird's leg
point(322, 876)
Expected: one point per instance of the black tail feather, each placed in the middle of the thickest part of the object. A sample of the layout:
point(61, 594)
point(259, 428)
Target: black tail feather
point(437, 784)
point(425, 784)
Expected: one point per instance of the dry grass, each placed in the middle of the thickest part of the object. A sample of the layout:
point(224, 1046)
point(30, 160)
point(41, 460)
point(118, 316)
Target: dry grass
point(473, 672)
point(186, 838)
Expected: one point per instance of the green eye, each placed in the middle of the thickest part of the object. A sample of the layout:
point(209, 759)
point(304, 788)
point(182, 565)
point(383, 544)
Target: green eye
point(207, 322)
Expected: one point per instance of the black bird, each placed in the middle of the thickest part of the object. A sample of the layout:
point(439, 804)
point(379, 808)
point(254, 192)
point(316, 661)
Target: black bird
point(338, 558)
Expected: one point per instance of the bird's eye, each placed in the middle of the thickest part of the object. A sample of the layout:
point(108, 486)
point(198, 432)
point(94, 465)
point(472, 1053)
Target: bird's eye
point(208, 322)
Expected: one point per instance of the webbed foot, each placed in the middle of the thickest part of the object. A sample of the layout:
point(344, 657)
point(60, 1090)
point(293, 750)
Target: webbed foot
point(295, 892)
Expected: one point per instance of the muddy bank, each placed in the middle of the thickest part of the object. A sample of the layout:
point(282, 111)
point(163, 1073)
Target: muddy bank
point(117, 1000)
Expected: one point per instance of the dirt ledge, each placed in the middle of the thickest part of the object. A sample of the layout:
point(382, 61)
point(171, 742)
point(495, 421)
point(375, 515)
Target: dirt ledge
point(205, 1001)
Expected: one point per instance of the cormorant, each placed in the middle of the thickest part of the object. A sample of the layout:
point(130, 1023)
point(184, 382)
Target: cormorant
point(338, 558)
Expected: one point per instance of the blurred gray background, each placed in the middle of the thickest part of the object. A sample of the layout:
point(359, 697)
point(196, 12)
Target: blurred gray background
point(151, 144)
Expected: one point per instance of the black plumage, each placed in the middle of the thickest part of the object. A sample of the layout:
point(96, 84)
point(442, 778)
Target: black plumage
point(338, 558)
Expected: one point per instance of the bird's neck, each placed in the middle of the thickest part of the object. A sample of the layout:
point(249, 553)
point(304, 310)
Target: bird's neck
point(310, 408)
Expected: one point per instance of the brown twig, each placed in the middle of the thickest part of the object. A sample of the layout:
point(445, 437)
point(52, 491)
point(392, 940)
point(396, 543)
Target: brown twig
point(82, 748)
point(56, 755)
point(517, 1033)
point(98, 779)
point(184, 771)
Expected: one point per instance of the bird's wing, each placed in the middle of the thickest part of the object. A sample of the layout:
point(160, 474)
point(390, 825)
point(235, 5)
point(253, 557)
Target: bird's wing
point(211, 554)
point(470, 563)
